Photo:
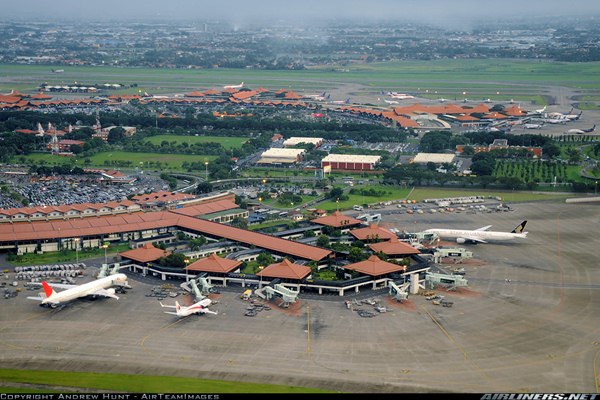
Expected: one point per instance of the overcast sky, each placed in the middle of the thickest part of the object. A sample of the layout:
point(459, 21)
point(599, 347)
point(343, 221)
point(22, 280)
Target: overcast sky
point(293, 10)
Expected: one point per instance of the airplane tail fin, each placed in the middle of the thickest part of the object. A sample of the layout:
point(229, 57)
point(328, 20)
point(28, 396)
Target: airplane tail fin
point(177, 306)
point(520, 228)
point(48, 289)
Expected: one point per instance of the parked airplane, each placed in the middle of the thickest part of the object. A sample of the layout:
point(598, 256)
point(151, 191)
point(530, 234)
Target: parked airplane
point(196, 308)
point(58, 71)
point(98, 287)
point(322, 96)
point(400, 96)
point(481, 235)
point(533, 126)
point(541, 110)
point(581, 131)
point(347, 101)
point(573, 117)
point(391, 101)
point(241, 85)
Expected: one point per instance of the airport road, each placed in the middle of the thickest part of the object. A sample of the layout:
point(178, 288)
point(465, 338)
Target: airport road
point(538, 334)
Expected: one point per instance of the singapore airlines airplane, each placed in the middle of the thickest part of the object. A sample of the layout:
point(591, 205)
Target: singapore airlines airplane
point(196, 308)
point(241, 85)
point(98, 287)
point(481, 235)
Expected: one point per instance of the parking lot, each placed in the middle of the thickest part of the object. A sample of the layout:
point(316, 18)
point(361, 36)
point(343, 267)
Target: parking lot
point(538, 332)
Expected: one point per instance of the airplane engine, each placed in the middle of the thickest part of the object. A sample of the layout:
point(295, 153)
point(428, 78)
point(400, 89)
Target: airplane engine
point(460, 240)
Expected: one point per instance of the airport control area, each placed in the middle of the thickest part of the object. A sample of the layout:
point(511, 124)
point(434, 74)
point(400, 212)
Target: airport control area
point(507, 316)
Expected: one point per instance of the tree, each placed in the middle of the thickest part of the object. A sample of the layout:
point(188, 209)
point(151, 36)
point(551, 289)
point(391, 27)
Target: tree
point(239, 222)
point(265, 259)
point(356, 254)
point(116, 135)
point(323, 241)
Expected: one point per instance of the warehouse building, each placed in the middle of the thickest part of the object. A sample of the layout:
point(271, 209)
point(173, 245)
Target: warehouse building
point(436, 158)
point(281, 156)
point(295, 141)
point(350, 162)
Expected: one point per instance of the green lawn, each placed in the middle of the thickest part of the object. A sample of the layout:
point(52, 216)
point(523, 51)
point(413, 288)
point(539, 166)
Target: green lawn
point(227, 142)
point(115, 159)
point(141, 383)
point(392, 193)
point(479, 78)
point(67, 256)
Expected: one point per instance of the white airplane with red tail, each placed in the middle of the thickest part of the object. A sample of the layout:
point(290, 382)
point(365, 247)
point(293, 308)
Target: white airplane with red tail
point(99, 287)
point(196, 308)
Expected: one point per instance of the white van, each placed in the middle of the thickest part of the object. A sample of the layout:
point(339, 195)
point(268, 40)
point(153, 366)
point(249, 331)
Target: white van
point(357, 208)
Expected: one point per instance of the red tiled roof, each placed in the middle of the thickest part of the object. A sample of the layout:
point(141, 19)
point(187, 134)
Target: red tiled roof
point(9, 99)
point(394, 247)
point(286, 270)
point(337, 220)
point(211, 92)
point(145, 254)
point(372, 232)
point(466, 118)
point(374, 267)
point(194, 94)
point(214, 263)
point(208, 208)
point(243, 95)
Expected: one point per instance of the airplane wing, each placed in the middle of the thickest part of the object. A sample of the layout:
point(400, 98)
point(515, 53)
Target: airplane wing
point(36, 298)
point(164, 306)
point(170, 312)
point(207, 311)
point(61, 285)
point(106, 293)
point(484, 228)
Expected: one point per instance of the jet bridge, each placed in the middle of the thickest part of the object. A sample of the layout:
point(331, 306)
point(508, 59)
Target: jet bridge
point(453, 281)
point(104, 271)
point(277, 290)
point(398, 292)
point(199, 287)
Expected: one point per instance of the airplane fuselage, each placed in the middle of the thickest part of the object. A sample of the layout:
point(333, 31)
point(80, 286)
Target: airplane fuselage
point(86, 289)
point(480, 235)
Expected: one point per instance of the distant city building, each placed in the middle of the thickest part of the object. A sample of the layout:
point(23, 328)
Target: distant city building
point(281, 156)
point(294, 141)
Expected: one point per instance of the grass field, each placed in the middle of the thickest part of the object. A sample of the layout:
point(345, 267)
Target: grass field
point(479, 78)
point(122, 383)
point(225, 141)
point(106, 159)
point(391, 193)
point(67, 256)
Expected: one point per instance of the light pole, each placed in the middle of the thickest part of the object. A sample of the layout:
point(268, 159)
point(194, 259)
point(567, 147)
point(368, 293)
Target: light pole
point(186, 261)
point(260, 268)
point(596, 188)
point(206, 169)
point(76, 240)
point(105, 247)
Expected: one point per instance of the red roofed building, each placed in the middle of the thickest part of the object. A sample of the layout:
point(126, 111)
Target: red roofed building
point(244, 95)
point(145, 254)
point(394, 248)
point(372, 233)
point(375, 267)
point(214, 264)
point(194, 94)
point(286, 270)
point(337, 220)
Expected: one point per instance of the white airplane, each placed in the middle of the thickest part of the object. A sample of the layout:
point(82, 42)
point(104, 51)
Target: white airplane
point(322, 96)
point(400, 96)
point(533, 126)
point(98, 287)
point(481, 235)
point(391, 101)
point(347, 101)
point(581, 131)
point(573, 117)
point(196, 308)
point(241, 85)
point(541, 110)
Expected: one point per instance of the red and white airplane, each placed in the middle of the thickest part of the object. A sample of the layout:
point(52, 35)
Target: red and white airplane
point(241, 85)
point(99, 287)
point(196, 308)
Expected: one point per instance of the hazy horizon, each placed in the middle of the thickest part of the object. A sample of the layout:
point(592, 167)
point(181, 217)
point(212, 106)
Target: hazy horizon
point(237, 11)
